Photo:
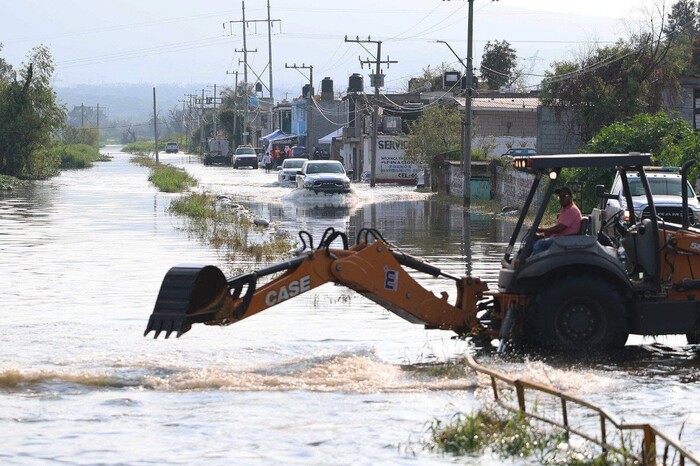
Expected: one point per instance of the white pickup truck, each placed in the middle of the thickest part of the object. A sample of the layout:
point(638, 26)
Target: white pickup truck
point(665, 184)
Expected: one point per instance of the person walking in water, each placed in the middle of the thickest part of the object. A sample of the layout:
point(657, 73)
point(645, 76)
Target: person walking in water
point(267, 162)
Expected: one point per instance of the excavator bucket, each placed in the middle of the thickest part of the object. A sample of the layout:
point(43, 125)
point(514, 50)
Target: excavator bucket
point(189, 294)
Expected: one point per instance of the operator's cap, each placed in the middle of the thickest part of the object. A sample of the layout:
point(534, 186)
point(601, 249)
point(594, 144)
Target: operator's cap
point(563, 190)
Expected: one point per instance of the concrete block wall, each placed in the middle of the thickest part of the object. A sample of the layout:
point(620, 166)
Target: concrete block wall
point(522, 124)
point(555, 132)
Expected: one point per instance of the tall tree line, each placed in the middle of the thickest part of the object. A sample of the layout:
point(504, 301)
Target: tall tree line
point(29, 117)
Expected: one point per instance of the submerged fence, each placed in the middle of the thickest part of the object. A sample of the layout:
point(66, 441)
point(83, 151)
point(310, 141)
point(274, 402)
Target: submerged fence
point(639, 443)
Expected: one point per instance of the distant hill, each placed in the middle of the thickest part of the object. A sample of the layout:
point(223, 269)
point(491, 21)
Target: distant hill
point(132, 102)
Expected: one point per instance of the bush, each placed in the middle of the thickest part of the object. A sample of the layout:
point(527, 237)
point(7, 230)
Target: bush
point(78, 156)
point(670, 140)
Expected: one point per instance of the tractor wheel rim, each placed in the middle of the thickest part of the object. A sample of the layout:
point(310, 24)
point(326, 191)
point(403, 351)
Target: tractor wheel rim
point(579, 319)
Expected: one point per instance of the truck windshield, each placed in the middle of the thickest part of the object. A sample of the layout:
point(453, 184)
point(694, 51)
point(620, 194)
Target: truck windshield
point(660, 187)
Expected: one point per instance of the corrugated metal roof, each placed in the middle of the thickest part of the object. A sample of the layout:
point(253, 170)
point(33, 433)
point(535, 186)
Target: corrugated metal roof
point(527, 104)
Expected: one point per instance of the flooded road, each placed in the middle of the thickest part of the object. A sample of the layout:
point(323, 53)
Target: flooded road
point(325, 378)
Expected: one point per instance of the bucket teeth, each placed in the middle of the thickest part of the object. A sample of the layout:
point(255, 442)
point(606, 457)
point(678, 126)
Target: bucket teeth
point(160, 324)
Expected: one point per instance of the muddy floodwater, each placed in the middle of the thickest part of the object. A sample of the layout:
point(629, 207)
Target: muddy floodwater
point(325, 378)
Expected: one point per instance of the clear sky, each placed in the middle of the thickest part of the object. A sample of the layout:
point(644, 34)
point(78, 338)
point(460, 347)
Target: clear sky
point(175, 41)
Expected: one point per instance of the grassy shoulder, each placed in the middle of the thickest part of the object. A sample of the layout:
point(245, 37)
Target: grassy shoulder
point(49, 161)
point(216, 221)
point(229, 228)
point(139, 147)
point(165, 177)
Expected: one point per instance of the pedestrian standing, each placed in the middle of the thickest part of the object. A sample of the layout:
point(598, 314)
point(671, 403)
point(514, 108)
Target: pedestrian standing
point(277, 156)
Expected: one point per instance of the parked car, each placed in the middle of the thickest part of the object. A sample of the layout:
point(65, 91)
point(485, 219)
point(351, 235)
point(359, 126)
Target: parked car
point(323, 176)
point(288, 172)
point(245, 156)
point(519, 152)
point(665, 184)
point(172, 148)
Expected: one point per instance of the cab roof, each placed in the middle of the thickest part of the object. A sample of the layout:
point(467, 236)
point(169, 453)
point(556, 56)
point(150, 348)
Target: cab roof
point(582, 160)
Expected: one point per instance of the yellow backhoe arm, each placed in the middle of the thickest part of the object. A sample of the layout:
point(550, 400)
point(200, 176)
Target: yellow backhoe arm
point(372, 268)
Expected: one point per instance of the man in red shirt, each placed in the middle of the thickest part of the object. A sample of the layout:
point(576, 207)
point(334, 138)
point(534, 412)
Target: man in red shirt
point(568, 221)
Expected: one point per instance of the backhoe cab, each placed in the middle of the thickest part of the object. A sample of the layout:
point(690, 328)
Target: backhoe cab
point(587, 292)
point(590, 291)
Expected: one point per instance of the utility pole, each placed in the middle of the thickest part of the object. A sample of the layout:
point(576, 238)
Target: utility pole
point(184, 124)
point(309, 101)
point(467, 172)
point(202, 141)
point(98, 124)
point(235, 108)
point(269, 51)
point(155, 123)
point(191, 98)
point(467, 163)
point(377, 81)
point(216, 132)
point(245, 51)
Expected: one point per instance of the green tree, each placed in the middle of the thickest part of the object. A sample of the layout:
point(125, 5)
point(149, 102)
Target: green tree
point(6, 72)
point(612, 83)
point(234, 101)
point(88, 135)
point(436, 132)
point(682, 23)
point(498, 64)
point(29, 116)
point(672, 142)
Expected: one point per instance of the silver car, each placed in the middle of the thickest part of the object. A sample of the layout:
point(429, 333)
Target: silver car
point(288, 172)
point(323, 176)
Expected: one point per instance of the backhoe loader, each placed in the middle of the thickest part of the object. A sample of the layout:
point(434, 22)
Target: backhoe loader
point(586, 293)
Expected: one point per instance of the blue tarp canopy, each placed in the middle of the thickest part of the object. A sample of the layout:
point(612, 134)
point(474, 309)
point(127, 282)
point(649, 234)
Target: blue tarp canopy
point(278, 136)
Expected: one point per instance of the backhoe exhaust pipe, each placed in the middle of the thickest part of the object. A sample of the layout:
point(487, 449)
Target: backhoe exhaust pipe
point(684, 192)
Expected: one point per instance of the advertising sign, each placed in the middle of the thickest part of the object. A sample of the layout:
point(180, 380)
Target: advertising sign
point(391, 164)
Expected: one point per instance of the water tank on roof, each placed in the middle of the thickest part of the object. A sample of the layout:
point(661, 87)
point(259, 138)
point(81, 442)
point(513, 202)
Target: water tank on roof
point(326, 89)
point(450, 79)
point(355, 83)
point(326, 85)
point(305, 91)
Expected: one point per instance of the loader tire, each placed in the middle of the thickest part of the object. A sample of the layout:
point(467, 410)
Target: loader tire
point(579, 313)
